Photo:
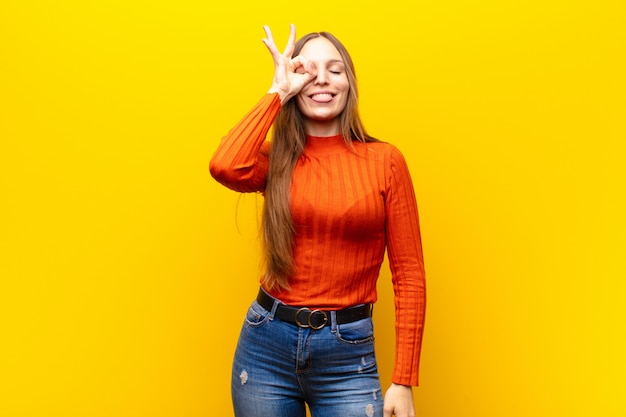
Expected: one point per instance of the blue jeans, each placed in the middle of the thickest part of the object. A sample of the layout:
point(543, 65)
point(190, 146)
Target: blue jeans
point(279, 367)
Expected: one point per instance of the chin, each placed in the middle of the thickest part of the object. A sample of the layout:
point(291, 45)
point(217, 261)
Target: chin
point(321, 116)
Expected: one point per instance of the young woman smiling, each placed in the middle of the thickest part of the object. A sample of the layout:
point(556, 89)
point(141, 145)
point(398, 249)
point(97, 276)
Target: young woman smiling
point(335, 200)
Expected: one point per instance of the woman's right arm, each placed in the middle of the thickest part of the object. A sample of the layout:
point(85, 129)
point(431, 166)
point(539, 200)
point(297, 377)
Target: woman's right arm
point(241, 160)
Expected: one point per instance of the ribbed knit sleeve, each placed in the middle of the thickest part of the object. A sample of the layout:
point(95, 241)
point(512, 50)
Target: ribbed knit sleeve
point(241, 160)
point(407, 269)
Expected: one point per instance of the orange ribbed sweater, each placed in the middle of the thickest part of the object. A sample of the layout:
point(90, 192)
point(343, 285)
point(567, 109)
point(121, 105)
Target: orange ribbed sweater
point(348, 206)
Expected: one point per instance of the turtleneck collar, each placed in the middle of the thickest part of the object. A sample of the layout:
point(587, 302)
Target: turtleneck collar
point(324, 145)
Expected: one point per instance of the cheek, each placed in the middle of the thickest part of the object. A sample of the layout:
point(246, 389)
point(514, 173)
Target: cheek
point(344, 96)
point(344, 86)
point(299, 101)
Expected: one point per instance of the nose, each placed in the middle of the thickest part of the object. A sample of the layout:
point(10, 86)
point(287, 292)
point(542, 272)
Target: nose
point(322, 77)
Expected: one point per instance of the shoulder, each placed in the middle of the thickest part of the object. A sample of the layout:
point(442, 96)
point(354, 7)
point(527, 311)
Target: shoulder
point(386, 151)
point(390, 159)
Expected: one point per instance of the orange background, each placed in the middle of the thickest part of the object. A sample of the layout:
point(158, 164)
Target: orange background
point(126, 270)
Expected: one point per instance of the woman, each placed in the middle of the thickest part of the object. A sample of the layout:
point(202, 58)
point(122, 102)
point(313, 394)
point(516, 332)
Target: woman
point(335, 198)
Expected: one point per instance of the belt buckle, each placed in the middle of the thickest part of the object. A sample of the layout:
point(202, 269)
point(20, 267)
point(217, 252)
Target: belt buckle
point(310, 315)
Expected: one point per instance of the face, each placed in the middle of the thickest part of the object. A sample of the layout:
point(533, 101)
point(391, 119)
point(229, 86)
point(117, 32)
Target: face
point(325, 97)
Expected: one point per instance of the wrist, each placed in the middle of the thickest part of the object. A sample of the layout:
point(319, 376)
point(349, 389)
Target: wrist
point(282, 94)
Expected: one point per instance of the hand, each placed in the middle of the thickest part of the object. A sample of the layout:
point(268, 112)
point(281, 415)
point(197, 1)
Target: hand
point(290, 74)
point(399, 401)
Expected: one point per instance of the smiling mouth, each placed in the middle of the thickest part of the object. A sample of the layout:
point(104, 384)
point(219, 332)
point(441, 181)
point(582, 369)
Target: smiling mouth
point(322, 97)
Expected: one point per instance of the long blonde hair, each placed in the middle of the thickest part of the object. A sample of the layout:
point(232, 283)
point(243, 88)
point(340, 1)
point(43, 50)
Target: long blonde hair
point(288, 142)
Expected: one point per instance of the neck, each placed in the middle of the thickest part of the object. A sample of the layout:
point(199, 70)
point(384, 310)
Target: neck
point(321, 128)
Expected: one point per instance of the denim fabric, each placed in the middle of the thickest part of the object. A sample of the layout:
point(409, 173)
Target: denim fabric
point(278, 367)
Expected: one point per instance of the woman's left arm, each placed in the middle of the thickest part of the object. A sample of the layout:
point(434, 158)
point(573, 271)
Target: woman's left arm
point(406, 261)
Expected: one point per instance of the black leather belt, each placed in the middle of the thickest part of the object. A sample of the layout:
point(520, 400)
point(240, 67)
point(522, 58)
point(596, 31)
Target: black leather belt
point(315, 319)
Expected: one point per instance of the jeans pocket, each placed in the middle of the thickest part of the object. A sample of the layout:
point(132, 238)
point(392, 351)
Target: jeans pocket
point(357, 332)
point(256, 315)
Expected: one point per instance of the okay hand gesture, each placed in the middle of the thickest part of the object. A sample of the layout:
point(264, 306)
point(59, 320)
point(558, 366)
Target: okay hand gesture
point(290, 74)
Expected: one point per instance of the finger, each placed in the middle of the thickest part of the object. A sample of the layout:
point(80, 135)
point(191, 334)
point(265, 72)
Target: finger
point(291, 43)
point(268, 33)
point(299, 62)
point(388, 409)
point(269, 41)
point(303, 65)
point(311, 68)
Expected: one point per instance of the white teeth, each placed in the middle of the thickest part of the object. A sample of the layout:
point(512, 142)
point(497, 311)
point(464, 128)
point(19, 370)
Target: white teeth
point(322, 95)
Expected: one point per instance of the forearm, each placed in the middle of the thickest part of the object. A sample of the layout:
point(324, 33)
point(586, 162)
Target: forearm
point(238, 162)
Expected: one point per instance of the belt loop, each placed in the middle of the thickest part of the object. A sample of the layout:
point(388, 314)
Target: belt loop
point(274, 306)
point(273, 312)
point(333, 321)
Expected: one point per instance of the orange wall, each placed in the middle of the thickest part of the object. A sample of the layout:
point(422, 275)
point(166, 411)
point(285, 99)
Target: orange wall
point(125, 269)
